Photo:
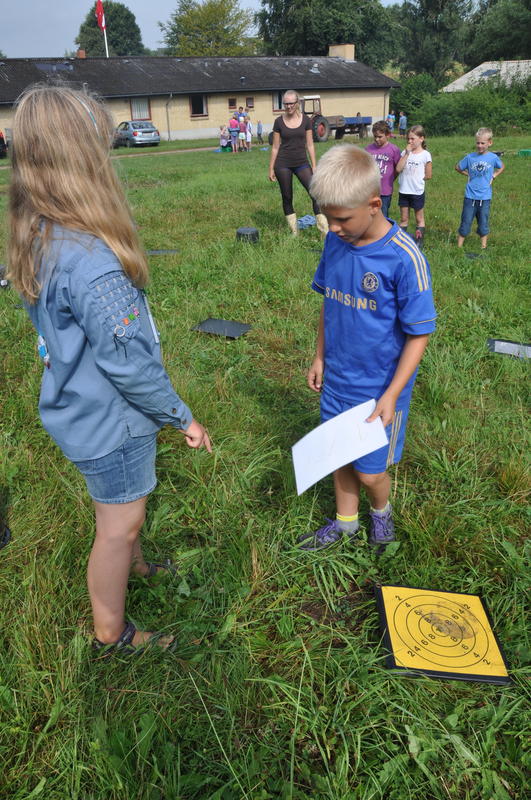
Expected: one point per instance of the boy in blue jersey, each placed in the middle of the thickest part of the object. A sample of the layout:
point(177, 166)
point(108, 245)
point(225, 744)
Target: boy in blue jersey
point(375, 322)
point(481, 168)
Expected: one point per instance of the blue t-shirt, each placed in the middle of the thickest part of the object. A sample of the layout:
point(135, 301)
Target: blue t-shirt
point(480, 169)
point(374, 296)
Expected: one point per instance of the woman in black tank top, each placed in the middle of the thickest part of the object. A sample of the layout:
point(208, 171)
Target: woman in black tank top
point(293, 153)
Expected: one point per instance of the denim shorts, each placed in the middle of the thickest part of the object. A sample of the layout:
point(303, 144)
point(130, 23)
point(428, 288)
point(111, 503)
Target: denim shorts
point(475, 208)
point(125, 475)
point(376, 462)
point(414, 201)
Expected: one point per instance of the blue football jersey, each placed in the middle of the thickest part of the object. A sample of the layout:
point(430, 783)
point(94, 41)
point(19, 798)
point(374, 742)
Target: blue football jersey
point(374, 296)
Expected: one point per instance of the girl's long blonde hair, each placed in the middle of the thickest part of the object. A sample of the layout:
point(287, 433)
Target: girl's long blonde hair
point(62, 173)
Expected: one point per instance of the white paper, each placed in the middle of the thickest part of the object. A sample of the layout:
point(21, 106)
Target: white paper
point(335, 443)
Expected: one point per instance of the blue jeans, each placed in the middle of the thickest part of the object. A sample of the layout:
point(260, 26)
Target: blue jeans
point(475, 208)
point(386, 202)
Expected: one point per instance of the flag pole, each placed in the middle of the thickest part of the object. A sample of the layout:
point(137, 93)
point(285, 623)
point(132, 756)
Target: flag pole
point(99, 13)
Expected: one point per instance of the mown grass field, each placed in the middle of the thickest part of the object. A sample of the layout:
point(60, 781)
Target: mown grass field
point(278, 688)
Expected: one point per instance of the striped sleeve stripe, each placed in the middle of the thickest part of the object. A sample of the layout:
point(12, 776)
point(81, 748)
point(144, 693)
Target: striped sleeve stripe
point(423, 262)
point(405, 246)
point(422, 321)
point(318, 285)
point(395, 430)
point(418, 259)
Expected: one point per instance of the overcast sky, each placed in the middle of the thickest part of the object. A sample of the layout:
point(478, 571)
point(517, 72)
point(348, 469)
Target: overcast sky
point(37, 28)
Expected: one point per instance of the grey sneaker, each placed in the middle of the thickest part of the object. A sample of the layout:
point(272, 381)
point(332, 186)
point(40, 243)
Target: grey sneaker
point(382, 530)
point(328, 535)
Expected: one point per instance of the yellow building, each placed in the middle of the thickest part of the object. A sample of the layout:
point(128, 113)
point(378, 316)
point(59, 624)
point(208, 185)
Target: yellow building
point(189, 98)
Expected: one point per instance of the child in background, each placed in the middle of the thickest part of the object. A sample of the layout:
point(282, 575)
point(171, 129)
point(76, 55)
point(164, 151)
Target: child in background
point(387, 155)
point(249, 133)
point(242, 135)
point(376, 318)
point(259, 131)
point(402, 123)
point(414, 168)
point(75, 258)
point(224, 136)
point(234, 129)
point(481, 168)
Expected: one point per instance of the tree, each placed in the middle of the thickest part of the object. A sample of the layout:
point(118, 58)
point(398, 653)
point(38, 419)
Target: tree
point(123, 34)
point(500, 30)
point(412, 93)
point(432, 35)
point(308, 27)
point(209, 28)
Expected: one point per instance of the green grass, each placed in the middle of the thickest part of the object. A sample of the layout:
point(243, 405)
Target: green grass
point(278, 689)
point(174, 144)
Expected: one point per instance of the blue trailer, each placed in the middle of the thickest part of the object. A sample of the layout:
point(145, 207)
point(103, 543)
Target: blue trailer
point(359, 125)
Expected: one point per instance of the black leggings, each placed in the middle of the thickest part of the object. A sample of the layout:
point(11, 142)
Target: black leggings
point(284, 177)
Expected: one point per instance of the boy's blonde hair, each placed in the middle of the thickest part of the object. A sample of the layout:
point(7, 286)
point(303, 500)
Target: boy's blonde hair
point(485, 132)
point(62, 173)
point(345, 176)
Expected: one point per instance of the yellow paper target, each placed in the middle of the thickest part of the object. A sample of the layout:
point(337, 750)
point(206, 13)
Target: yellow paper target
point(442, 634)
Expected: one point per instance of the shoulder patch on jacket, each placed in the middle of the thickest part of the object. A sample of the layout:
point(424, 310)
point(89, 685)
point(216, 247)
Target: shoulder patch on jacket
point(116, 298)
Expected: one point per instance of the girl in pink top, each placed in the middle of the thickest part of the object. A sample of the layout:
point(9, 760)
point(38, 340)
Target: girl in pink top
point(387, 155)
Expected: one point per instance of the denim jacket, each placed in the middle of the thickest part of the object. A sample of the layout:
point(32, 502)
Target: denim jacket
point(103, 378)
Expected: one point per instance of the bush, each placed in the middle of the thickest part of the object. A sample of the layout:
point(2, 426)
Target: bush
point(502, 108)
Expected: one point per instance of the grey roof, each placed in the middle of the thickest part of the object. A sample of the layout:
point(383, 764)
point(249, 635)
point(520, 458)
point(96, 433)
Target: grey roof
point(506, 71)
point(149, 76)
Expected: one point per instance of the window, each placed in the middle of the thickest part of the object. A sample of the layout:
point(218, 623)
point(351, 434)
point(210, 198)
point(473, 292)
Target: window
point(277, 101)
point(232, 103)
point(249, 102)
point(140, 108)
point(198, 105)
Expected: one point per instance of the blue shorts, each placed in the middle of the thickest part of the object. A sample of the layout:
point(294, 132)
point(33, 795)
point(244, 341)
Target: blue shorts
point(125, 475)
point(376, 462)
point(475, 208)
point(414, 201)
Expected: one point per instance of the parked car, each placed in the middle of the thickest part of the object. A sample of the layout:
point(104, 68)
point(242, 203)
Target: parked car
point(3, 145)
point(134, 133)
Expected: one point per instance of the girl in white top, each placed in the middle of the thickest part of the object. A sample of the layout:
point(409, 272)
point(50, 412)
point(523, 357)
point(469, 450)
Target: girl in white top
point(414, 168)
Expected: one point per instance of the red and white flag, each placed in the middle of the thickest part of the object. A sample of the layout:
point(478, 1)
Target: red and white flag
point(100, 15)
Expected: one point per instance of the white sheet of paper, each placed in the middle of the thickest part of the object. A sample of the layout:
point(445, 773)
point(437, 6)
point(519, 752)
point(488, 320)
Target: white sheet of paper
point(335, 443)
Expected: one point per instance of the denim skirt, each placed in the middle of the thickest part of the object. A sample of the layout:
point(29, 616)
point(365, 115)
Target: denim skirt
point(125, 475)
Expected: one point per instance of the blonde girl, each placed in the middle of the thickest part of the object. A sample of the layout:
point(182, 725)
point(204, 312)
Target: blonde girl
point(75, 258)
point(414, 168)
point(293, 153)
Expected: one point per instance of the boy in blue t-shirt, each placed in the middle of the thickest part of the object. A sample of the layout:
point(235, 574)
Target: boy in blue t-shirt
point(375, 322)
point(481, 168)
